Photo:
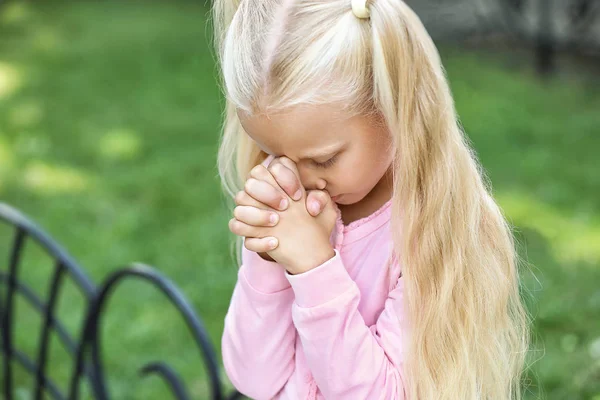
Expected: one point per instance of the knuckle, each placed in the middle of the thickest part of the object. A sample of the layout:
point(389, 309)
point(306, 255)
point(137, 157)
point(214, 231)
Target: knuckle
point(237, 212)
point(284, 162)
point(249, 184)
point(232, 225)
point(236, 227)
point(288, 163)
point(239, 197)
point(283, 176)
point(257, 171)
point(274, 167)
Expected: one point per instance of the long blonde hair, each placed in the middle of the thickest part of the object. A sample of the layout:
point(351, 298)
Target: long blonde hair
point(469, 330)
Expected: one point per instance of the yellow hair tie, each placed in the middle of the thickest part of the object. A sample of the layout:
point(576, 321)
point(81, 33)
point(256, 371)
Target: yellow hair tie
point(360, 9)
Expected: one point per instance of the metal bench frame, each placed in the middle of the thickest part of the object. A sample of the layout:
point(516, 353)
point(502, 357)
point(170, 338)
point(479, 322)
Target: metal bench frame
point(86, 351)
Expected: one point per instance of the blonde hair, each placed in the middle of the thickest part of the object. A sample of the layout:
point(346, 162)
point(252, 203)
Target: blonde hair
point(469, 330)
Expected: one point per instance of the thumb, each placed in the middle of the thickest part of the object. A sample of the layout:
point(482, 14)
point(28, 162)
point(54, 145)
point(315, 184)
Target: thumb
point(316, 201)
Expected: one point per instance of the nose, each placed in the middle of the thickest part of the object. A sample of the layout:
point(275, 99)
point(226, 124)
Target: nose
point(311, 180)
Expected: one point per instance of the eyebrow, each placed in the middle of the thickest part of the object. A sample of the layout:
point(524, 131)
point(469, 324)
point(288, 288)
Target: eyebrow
point(329, 151)
point(322, 153)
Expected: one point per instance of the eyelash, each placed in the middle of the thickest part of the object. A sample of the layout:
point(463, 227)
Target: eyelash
point(327, 163)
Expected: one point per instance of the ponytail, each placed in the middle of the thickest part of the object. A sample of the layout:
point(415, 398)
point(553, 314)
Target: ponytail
point(469, 329)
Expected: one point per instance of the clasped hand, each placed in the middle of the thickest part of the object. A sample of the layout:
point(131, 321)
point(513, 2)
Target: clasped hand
point(272, 213)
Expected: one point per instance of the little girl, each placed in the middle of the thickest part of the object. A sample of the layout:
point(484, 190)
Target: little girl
point(403, 282)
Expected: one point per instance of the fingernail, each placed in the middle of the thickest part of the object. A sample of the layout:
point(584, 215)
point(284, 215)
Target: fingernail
point(273, 243)
point(297, 195)
point(273, 218)
point(283, 205)
point(314, 207)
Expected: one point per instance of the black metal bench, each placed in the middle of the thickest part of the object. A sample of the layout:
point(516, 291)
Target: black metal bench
point(85, 350)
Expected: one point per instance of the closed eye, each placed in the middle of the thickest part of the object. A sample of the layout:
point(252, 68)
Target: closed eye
point(327, 163)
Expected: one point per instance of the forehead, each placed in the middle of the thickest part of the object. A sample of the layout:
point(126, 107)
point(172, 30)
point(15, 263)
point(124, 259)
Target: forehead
point(302, 131)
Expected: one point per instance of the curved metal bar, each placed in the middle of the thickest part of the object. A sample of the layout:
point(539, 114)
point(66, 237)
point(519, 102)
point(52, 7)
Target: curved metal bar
point(16, 218)
point(90, 329)
point(45, 335)
point(35, 301)
point(7, 312)
point(66, 340)
point(91, 332)
point(25, 227)
point(169, 375)
point(26, 363)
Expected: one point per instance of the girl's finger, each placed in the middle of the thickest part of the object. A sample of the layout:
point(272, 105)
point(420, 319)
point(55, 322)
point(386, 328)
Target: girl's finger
point(241, 229)
point(244, 199)
point(255, 217)
point(266, 193)
point(261, 173)
point(286, 179)
point(316, 200)
point(261, 245)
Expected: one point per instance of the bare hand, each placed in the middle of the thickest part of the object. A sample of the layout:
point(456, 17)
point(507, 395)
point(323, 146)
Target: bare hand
point(266, 191)
point(303, 240)
point(286, 182)
point(285, 173)
point(250, 212)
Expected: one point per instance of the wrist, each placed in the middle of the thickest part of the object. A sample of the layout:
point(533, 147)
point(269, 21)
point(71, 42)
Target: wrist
point(312, 261)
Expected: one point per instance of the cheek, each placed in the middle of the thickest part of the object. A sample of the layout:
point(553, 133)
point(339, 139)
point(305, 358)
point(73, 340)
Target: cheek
point(359, 174)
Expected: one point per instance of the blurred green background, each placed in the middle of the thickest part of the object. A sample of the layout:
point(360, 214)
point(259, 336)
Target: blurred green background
point(109, 121)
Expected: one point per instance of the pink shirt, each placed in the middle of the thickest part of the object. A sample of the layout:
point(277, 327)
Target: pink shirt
point(334, 332)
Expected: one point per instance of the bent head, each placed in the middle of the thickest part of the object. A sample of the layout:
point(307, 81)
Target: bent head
point(345, 154)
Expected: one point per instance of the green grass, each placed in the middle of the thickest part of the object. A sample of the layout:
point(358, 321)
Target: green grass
point(109, 118)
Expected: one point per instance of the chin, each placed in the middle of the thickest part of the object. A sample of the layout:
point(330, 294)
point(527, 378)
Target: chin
point(348, 199)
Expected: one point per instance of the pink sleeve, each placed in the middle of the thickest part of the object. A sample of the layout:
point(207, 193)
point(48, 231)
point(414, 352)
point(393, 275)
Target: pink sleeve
point(348, 359)
point(258, 343)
